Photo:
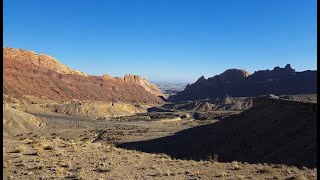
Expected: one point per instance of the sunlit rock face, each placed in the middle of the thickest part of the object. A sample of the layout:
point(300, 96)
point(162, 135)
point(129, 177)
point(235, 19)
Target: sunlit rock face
point(28, 73)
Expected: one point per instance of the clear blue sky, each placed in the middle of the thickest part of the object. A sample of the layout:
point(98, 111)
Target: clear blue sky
point(166, 40)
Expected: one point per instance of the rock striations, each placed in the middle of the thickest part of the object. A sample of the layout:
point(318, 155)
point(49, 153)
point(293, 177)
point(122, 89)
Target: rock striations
point(37, 60)
point(135, 79)
point(27, 73)
point(239, 83)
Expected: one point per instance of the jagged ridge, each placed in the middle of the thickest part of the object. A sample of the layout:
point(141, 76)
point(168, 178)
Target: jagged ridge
point(239, 83)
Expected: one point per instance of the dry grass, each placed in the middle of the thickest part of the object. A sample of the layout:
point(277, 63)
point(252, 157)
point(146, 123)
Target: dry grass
point(220, 173)
point(36, 167)
point(235, 165)
point(102, 169)
point(213, 158)
point(20, 149)
point(241, 177)
point(65, 165)
point(264, 170)
point(70, 159)
point(48, 148)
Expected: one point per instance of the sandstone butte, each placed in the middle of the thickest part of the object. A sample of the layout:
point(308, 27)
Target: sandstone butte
point(29, 73)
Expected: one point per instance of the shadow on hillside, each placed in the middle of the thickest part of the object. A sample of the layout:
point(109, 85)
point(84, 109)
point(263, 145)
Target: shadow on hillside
point(158, 109)
point(163, 98)
point(288, 137)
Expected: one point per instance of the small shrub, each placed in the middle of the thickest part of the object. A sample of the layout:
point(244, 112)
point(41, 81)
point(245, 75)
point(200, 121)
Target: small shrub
point(263, 170)
point(278, 166)
point(65, 165)
point(167, 173)
point(48, 148)
point(103, 169)
point(221, 174)
point(213, 158)
point(16, 151)
point(235, 165)
point(165, 156)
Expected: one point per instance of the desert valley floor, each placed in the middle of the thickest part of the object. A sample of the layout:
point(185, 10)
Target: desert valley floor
point(74, 147)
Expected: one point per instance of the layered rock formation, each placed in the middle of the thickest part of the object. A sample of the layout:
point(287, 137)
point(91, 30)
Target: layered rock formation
point(27, 73)
point(92, 110)
point(38, 60)
point(240, 103)
point(151, 88)
point(135, 79)
point(239, 83)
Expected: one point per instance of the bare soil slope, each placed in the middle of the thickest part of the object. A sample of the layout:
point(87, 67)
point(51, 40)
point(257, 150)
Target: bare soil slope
point(94, 109)
point(272, 131)
point(16, 122)
point(90, 110)
point(77, 148)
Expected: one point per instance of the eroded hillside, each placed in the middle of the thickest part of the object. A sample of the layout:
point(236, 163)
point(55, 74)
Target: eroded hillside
point(272, 131)
point(27, 73)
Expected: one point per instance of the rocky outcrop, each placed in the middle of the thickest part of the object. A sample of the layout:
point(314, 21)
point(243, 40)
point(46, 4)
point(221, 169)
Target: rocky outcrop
point(151, 88)
point(135, 79)
point(232, 75)
point(27, 73)
point(38, 60)
point(239, 83)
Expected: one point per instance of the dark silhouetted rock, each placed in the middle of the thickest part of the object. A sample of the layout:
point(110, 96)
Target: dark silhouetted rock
point(239, 83)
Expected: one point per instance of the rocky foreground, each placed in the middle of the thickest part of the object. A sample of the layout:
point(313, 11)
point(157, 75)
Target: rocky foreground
point(30, 156)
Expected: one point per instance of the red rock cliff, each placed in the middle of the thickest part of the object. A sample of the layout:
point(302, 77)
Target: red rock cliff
point(27, 73)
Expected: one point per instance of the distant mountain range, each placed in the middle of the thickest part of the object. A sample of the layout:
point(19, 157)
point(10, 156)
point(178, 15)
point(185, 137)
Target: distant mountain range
point(170, 88)
point(240, 83)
